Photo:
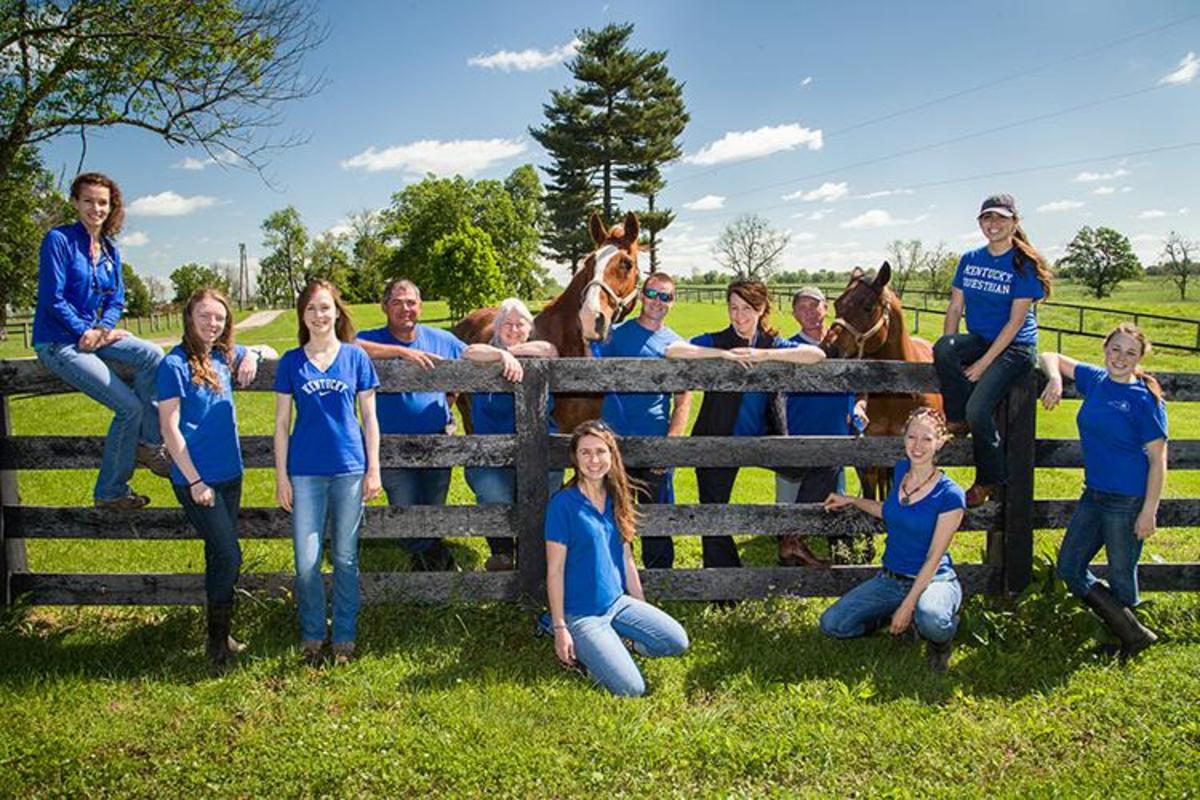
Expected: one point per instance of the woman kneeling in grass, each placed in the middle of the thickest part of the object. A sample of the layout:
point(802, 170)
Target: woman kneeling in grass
point(595, 593)
point(1123, 430)
point(916, 584)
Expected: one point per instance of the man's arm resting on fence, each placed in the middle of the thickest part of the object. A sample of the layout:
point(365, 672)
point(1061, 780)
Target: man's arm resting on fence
point(377, 350)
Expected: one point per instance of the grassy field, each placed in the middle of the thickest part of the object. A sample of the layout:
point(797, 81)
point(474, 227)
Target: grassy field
point(462, 701)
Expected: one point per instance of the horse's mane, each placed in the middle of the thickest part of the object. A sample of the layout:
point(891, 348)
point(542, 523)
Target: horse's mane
point(574, 288)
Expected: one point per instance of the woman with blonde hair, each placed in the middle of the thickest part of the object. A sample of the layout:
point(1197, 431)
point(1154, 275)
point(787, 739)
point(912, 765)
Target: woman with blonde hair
point(592, 583)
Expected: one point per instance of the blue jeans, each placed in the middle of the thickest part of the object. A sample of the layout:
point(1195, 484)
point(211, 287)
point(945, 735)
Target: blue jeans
point(321, 503)
point(498, 486)
point(868, 605)
point(416, 487)
point(217, 526)
point(975, 403)
point(136, 415)
point(658, 552)
point(598, 645)
point(1102, 519)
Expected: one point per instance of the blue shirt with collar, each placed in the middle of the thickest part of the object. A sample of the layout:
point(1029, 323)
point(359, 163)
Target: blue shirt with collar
point(594, 574)
point(73, 295)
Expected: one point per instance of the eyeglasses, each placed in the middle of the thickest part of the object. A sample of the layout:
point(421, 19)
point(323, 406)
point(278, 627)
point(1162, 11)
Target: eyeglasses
point(658, 294)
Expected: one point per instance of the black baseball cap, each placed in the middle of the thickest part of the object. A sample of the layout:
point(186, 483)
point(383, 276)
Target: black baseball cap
point(1002, 204)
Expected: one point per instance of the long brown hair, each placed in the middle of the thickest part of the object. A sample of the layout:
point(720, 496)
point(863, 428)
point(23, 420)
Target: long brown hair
point(198, 354)
point(116, 204)
point(617, 482)
point(343, 327)
point(755, 293)
point(1028, 254)
point(1131, 330)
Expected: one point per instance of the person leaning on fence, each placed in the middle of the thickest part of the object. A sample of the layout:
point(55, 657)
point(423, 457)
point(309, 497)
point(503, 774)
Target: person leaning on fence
point(414, 412)
point(592, 583)
point(493, 413)
point(199, 427)
point(995, 287)
point(814, 414)
point(328, 466)
point(1123, 431)
point(916, 584)
point(647, 413)
point(749, 339)
point(80, 300)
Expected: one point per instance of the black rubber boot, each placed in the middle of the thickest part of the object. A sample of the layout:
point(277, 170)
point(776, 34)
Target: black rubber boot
point(937, 655)
point(1135, 637)
point(220, 645)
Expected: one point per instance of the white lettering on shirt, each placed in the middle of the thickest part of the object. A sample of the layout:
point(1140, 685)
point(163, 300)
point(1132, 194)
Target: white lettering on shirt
point(323, 386)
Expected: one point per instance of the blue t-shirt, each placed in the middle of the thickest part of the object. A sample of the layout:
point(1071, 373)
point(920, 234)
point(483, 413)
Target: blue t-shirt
point(73, 296)
point(910, 528)
point(326, 439)
point(818, 414)
point(415, 412)
point(752, 413)
point(594, 575)
point(1116, 421)
point(989, 285)
point(207, 419)
point(494, 412)
point(641, 413)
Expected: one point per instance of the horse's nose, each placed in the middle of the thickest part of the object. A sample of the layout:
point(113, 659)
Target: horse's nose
point(601, 326)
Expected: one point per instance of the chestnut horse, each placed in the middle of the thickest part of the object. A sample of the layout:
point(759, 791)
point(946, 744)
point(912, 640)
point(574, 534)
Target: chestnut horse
point(870, 324)
point(601, 294)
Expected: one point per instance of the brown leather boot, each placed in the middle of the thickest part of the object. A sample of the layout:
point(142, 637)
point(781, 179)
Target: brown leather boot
point(794, 552)
point(980, 493)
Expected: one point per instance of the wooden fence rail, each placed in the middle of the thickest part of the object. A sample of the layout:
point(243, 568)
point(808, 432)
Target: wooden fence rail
point(1009, 524)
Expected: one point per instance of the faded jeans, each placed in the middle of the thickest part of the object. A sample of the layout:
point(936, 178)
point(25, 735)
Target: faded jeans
point(1102, 519)
point(867, 606)
point(497, 486)
point(416, 486)
point(598, 645)
point(333, 503)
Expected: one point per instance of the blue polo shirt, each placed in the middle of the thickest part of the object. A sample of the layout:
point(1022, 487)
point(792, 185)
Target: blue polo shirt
point(74, 297)
point(752, 413)
point(207, 418)
point(494, 412)
point(415, 412)
point(818, 414)
point(594, 575)
point(326, 439)
point(989, 285)
point(641, 413)
point(1116, 421)
point(910, 528)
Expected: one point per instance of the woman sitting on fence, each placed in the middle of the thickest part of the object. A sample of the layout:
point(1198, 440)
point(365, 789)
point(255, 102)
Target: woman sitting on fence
point(492, 413)
point(916, 584)
point(1123, 430)
point(748, 339)
point(329, 466)
point(592, 582)
point(81, 296)
point(199, 427)
point(996, 287)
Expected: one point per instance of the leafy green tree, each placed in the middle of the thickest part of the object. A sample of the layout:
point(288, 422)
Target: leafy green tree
point(30, 204)
point(193, 276)
point(328, 259)
point(463, 269)
point(283, 272)
point(138, 302)
point(1100, 259)
point(200, 73)
point(750, 248)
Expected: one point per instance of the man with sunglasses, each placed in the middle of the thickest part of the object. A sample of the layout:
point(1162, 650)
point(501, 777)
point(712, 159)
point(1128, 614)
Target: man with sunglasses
point(648, 414)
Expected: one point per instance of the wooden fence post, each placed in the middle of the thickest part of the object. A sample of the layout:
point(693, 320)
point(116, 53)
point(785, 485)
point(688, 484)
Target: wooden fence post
point(12, 552)
point(1020, 434)
point(530, 463)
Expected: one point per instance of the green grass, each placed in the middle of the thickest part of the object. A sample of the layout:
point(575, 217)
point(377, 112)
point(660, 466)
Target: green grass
point(462, 701)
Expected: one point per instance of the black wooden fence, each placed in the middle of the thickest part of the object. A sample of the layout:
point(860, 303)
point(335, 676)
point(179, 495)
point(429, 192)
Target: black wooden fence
point(1009, 523)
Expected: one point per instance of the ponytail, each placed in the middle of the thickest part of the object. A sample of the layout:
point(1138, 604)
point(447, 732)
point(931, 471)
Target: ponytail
point(1027, 254)
point(1152, 384)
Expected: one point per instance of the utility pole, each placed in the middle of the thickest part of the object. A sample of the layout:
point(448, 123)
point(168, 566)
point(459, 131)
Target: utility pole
point(243, 295)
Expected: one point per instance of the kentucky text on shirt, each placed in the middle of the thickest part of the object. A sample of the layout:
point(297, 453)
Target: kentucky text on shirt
point(324, 385)
point(986, 279)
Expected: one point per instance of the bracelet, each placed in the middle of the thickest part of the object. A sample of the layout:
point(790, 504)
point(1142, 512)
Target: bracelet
point(193, 483)
point(560, 627)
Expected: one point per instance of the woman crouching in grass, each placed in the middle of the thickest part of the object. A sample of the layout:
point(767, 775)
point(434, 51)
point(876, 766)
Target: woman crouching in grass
point(199, 428)
point(1123, 430)
point(916, 584)
point(595, 593)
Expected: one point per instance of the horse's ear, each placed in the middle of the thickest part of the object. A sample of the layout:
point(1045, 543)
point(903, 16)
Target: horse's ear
point(631, 228)
point(596, 226)
point(883, 276)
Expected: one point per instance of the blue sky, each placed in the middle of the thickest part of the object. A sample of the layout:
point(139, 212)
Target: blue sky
point(1081, 102)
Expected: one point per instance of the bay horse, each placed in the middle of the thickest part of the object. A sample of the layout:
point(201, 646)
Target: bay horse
point(870, 324)
point(601, 294)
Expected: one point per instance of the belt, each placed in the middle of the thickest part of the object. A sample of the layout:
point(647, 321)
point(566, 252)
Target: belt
point(896, 576)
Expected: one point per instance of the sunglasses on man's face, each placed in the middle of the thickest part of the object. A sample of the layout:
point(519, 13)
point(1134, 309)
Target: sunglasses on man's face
point(658, 294)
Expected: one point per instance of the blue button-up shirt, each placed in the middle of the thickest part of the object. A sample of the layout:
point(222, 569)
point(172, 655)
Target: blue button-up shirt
point(73, 294)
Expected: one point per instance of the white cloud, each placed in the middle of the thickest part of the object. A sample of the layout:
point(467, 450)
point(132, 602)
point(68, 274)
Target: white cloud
point(1059, 205)
point(878, 218)
point(803, 236)
point(340, 229)
point(710, 202)
point(681, 250)
point(882, 193)
point(742, 145)
point(1182, 211)
point(169, 204)
point(197, 164)
point(1152, 213)
point(969, 237)
point(462, 156)
point(807, 81)
point(134, 239)
point(1094, 177)
point(1186, 72)
point(1103, 190)
point(526, 60)
point(813, 216)
point(827, 192)
point(1143, 238)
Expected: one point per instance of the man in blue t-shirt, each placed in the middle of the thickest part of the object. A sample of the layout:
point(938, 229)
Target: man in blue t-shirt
point(414, 412)
point(824, 414)
point(648, 414)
